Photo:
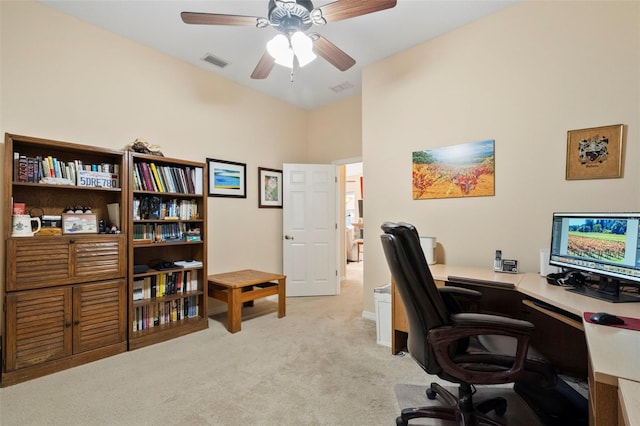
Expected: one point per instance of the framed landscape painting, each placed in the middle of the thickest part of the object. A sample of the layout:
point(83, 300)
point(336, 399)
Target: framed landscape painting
point(466, 170)
point(227, 178)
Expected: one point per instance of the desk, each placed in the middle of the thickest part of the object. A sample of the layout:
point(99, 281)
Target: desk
point(613, 353)
point(629, 394)
point(247, 285)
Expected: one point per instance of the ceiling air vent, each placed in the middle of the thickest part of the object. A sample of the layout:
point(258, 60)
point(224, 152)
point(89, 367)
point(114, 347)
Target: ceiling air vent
point(214, 60)
point(342, 86)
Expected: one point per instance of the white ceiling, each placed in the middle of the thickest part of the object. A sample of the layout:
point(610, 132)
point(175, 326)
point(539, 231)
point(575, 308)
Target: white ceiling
point(368, 38)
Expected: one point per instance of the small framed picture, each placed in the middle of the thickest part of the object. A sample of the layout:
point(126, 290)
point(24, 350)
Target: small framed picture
point(227, 178)
point(269, 188)
point(595, 153)
point(79, 224)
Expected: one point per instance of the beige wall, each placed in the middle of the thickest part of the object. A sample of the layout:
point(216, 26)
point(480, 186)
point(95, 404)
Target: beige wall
point(64, 79)
point(335, 131)
point(522, 77)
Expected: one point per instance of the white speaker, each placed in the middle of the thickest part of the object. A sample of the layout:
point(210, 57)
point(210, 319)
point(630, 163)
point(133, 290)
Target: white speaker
point(545, 268)
point(429, 248)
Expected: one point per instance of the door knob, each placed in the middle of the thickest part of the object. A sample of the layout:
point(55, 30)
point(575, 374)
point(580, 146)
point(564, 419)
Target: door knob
point(288, 237)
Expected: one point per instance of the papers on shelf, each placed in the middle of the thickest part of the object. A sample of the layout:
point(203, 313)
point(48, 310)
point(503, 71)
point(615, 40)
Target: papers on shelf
point(189, 263)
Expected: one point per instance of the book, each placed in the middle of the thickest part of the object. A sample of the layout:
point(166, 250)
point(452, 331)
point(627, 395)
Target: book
point(188, 179)
point(16, 163)
point(197, 181)
point(146, 175)
point(154, 171)
point(176, 179)
point(31, 169)
point(19, 208)
point(163, 178)
point(170, 187)
point(138, 289)
point(52, 170)
point(136, 178)
point(23, 169)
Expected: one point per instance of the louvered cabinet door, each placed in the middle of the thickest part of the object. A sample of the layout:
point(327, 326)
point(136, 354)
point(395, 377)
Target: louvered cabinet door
point(38, 326)
point(97, 258)
point(99, 315)
point(37, 262)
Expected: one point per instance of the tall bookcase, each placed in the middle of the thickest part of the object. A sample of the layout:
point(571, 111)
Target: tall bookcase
point(64, 297)
point(167, 248)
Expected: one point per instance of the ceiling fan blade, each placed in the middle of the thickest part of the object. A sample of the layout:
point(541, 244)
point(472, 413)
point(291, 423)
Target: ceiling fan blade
point(218, 19)
point(345, 9)
point(264, 67)
point(332, 53)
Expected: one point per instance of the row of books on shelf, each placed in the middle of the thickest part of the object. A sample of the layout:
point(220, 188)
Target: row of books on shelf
point(157, 178)
point(166, 232)
point(157, 314)
point(49, 169)
point(166, 284)
point(168, 210)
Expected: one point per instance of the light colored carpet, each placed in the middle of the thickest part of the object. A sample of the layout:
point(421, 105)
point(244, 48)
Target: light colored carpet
point(320, 365)
point(518, 413)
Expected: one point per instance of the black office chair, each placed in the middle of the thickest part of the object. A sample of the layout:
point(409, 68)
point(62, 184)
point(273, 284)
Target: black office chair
point(465, 348)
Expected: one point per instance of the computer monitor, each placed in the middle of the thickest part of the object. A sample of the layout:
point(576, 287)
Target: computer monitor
point(605, 246)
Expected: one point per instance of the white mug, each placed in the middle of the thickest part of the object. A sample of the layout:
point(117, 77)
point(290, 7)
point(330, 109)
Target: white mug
point(22, 225)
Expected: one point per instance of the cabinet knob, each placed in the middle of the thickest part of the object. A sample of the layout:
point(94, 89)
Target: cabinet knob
point(76, 322)
point(71, 241)
point(67, 324)
point(288, 237)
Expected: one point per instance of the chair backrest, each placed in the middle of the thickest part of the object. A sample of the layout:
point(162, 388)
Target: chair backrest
point(423, 303)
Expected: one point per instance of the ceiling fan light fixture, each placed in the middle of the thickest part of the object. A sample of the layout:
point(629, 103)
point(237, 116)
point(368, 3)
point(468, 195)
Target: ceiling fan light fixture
point(279, 47)
point(303, 48)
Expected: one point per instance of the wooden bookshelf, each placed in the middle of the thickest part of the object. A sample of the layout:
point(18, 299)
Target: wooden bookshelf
point(64, 294)
point(167, 222)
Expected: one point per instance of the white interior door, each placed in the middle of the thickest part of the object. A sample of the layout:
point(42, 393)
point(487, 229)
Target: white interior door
point(309, 227)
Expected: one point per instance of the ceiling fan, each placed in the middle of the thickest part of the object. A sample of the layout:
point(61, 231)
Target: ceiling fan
point(293, 47)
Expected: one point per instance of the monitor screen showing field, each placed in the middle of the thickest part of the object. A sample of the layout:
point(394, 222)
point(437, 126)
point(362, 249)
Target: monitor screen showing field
point(602, 243)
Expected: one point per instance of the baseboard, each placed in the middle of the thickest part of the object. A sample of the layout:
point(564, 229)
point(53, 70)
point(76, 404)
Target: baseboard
point(369, 315)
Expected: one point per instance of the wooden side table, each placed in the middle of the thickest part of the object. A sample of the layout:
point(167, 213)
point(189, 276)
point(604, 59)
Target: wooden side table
point(238, 287)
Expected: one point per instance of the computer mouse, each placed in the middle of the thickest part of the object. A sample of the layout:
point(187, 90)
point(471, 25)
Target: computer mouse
point(606, 319)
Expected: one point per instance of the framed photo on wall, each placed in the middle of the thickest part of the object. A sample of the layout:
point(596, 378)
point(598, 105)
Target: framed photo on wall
point(595, 153)
point(227, 178)
point(269, 188)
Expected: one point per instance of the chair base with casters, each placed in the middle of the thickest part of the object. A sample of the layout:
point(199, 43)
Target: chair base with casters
point(461, 409)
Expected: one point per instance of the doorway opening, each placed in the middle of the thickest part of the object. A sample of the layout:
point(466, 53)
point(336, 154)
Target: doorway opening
point(354, 208)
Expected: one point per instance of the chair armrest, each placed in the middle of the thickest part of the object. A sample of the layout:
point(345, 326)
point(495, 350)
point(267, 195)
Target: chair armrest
point(451, 296)
point(466, 325)
point(467, 293)
point(488, 320)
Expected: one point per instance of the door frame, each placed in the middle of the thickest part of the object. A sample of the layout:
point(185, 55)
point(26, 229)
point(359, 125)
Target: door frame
point(341, 252)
